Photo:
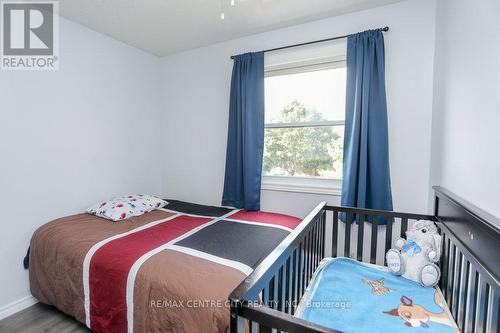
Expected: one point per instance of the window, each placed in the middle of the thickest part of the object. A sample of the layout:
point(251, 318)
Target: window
point(304, 126)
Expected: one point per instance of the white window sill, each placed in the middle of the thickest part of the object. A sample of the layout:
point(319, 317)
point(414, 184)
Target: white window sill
point(302, 185)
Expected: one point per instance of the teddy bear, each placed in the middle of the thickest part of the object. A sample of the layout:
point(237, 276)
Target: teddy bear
point(415, 257)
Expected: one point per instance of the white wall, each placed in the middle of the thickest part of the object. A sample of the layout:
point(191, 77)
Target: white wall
point(466, 140)
point(196, 96)
point(71, 137)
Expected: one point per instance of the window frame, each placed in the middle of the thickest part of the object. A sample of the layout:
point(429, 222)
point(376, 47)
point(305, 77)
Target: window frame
point(325, 186)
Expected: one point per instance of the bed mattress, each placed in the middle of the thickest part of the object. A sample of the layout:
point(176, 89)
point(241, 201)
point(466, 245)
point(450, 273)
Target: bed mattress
point(350, 296)
point(170, 270)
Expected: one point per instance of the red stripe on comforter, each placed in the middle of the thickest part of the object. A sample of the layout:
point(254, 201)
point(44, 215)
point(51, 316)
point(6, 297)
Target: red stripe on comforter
point(271, 218)
point(110, 266)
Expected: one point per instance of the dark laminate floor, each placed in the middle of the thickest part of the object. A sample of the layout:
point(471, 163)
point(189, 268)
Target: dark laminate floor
point(41, 318)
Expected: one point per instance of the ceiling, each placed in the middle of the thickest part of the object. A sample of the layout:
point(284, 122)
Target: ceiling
point(162, 27)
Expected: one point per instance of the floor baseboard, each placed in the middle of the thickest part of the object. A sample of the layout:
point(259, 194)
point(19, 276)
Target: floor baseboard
point(17, 306)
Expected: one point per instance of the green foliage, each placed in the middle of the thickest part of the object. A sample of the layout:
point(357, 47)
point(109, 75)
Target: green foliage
point(305, 151)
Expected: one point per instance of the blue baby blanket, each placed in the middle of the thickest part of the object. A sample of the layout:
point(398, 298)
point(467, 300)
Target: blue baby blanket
point(350, 296)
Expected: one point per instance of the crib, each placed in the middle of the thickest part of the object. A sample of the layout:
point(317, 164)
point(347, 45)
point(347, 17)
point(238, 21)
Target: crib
point(266, 301)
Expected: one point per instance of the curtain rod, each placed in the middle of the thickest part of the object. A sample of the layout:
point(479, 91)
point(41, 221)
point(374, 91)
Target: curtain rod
point(312, 42)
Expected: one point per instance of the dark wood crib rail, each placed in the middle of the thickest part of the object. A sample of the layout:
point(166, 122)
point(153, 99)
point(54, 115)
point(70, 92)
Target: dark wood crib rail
point(267, 300)
point(271, 293)
point(470, 262)
point(384, 224)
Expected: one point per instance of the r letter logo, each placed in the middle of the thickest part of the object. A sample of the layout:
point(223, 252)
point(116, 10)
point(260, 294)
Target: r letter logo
point(29, 33)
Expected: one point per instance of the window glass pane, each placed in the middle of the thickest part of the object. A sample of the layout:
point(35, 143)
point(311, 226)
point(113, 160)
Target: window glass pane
point(304, 152)
point(321, 93)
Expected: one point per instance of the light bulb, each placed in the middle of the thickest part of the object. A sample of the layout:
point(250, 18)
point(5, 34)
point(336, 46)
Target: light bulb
point(222, 15)
point(232, 2)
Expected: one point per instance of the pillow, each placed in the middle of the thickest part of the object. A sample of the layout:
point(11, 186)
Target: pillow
point(122, 208)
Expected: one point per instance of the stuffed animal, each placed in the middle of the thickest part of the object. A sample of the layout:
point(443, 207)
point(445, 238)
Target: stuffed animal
point(415, 257)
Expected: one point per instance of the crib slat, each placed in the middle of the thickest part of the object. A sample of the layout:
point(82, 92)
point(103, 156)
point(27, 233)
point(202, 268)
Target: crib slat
point(494, 313)
point(289, 284)
point(472, 291)
point(373, 245)
point(309, 257)
point(276, 288)
point(237, 323)
point(319, 252)
point(255, 327)
point(283, 297)
point(318, 243)
point(323, 232)
point(347, 240)
point(444, 263)
point(304, 267)
point(449, 268)
point(462, 306)
point(313, 250)
point(295, 280)
point(270, 291)
point(299, 271)
point(456, 283)
point(273, 292)
point(452, 254)
point(311, 253)
point(361, 230)
point(404, 227)
point(442, 260)
point(482, 308)
point(320, 240)
point(306, 263)
point(388, 235)
point(335, 233)
point(279, 288)
point(264, 295)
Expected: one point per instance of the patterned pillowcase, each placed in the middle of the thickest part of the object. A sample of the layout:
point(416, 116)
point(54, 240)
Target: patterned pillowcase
point(122, 208)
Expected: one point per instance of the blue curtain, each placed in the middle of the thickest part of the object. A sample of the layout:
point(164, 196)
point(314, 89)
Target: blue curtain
point(366, 182)
point(245, 139)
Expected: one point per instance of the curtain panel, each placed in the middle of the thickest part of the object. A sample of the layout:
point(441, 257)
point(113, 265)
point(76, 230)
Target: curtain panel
point(245, 139)
point(366, 182)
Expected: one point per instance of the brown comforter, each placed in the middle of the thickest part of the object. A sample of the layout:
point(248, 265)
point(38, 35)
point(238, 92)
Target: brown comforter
point(169, 270)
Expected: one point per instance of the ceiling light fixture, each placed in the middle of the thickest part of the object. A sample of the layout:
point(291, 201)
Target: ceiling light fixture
point(233, 2)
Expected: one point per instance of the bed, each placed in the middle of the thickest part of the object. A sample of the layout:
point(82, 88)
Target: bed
point(327, 257)
point(170, 270)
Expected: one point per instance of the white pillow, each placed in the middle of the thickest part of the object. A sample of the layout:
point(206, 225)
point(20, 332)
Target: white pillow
point(122, 208)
